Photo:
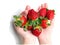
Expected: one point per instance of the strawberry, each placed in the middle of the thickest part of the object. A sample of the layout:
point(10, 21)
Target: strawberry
point(36, 32)
point(30, 28)
point(32, 14)
point(44, 23)
point(42, 12)
point(24, 20)
point(50, 14)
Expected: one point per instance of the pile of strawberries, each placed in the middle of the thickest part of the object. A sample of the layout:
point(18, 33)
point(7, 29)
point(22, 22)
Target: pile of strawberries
point(35, 21)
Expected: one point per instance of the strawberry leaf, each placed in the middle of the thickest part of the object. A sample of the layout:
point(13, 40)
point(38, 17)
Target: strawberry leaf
point(45, 18)
point(46, 9)
point(30, 23)
point(38, 21)
point(16, 17)
point(49, 24)
point(34, 23)
point(41, 17)
point(18, 23)
point(25, 29)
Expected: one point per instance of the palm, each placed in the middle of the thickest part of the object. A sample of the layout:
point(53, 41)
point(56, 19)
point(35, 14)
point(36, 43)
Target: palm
point(27, 35)
point(46, 33)
point(23, 33)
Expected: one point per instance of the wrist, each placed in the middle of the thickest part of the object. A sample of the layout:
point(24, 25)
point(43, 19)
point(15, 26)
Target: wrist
point(30, 41)
point(45, 40)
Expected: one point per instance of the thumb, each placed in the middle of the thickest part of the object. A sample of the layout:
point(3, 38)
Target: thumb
point(19, 30)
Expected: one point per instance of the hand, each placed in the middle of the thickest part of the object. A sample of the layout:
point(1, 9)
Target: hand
point(27, 36)
point(45, 36)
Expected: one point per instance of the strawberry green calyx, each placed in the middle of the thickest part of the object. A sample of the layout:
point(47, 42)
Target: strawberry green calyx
point(29, 26)
point(45, 18)
point(36, 22)
point(41, 17)
point(54, 10)
point(20, 20)
point(25, 29)
point(26, 26)
point(49, 22)
point(38, 27)
point(47, 9)
point(17, 21)
point(30, 23)
point(16, 17)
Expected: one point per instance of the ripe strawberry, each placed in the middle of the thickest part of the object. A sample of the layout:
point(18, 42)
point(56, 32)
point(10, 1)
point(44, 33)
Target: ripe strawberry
point(50, 14)
point(24, 20)
point(36, 32)
point(30, 28)
point(42, 12)
point(44, 23)
point(32, 14)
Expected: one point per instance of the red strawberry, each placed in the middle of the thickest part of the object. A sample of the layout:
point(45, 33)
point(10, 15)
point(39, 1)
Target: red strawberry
point(30, 28)
point(36, 32)
point(32, 14)
point(42, 12)
point(44, 23)
point(24, 20)
point(50, 14)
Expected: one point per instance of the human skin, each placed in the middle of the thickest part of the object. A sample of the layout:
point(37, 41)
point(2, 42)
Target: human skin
point(29, 39)
point(45, 36)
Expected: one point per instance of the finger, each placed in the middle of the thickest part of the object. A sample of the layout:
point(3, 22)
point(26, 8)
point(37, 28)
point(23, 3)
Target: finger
point(42, 6)
point(24, 13)
point(27, 7)
point(45, 5)
point(38, 8)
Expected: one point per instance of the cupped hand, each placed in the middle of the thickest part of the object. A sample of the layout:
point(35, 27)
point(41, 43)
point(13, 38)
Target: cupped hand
point(28, 37)
point(45, 36)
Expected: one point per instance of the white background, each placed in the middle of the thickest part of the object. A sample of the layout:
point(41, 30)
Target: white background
point(8, 8)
